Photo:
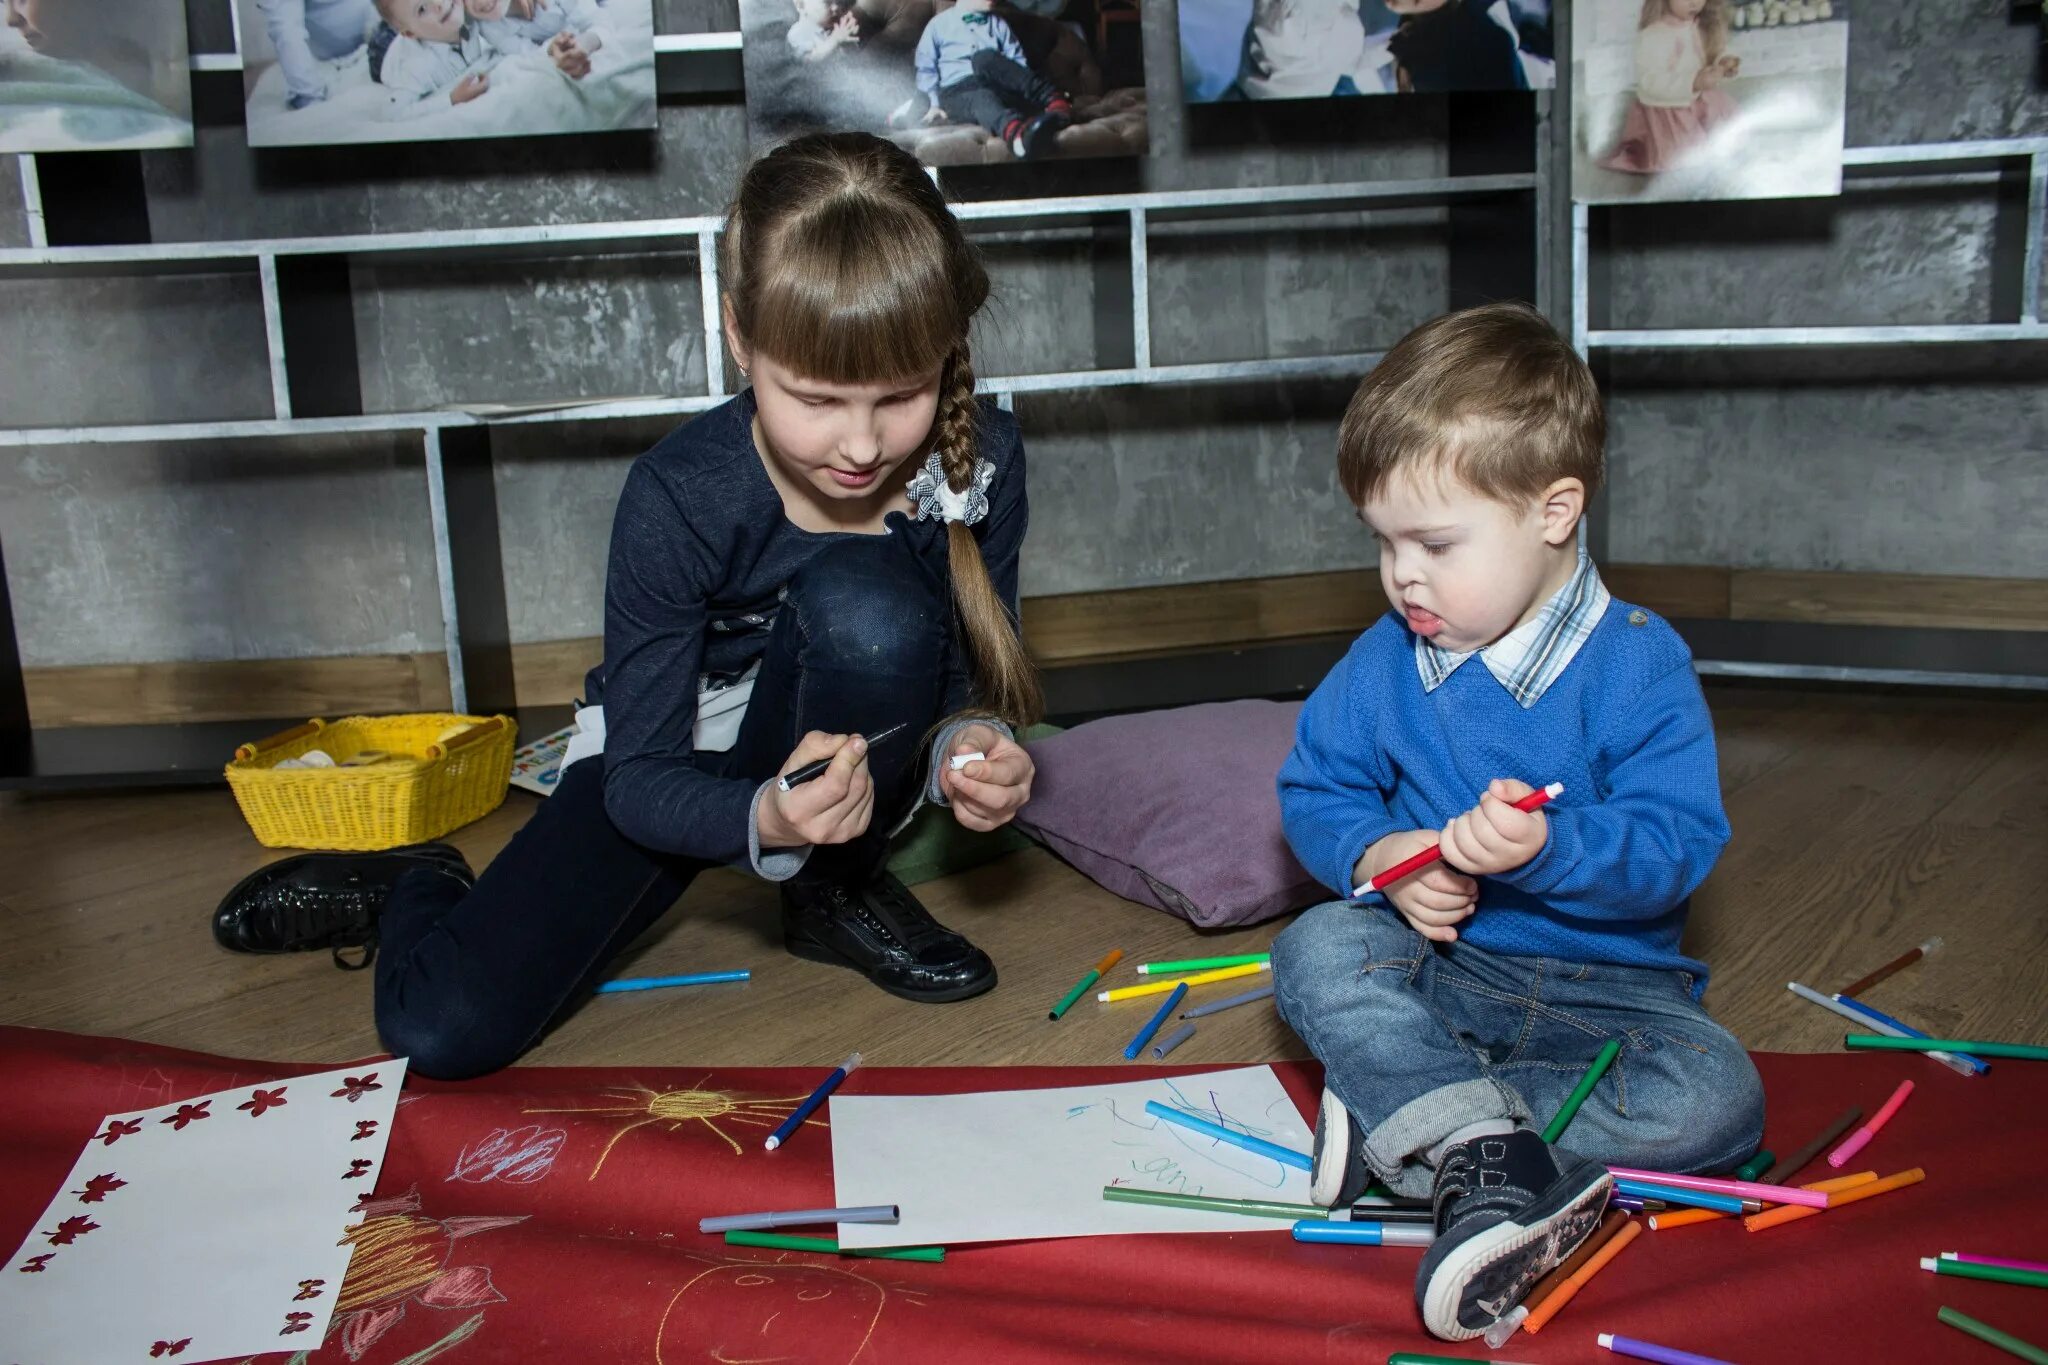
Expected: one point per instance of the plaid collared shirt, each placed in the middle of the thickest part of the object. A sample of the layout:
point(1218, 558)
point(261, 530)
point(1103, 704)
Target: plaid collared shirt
point(1529, 658)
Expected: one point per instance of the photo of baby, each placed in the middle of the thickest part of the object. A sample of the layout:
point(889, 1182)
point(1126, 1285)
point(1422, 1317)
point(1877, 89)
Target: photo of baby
point(346, 71)
point(1316, 49)
point(93, 75)
point(1708, 99)
point(955, 82)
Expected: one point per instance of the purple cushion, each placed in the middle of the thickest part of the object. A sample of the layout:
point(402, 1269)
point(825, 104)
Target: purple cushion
point(1176, 809)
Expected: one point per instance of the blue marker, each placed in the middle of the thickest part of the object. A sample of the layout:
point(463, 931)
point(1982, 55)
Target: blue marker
point(1366, 1234)
point(1976, 1064)
point(648, 983)
point(1285, 1156)
point(1671, 1194)
point(803, 1111)
point(1152, 1026)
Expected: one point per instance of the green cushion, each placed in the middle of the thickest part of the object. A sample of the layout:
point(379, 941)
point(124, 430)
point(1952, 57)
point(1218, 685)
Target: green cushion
point(935, 845)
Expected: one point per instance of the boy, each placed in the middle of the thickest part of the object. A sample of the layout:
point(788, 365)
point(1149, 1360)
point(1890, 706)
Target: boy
point(437, 49)
point(972, 68)
point(1453, 1016)
point(566, 27)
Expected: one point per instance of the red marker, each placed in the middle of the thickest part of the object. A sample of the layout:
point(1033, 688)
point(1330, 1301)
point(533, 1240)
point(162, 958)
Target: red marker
point(1435, 851)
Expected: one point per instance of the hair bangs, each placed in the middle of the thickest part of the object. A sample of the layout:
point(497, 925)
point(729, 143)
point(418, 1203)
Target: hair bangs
point(857, 296)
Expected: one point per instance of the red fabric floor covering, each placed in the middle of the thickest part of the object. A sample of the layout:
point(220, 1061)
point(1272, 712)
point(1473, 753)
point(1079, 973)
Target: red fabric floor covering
point(549, 1214)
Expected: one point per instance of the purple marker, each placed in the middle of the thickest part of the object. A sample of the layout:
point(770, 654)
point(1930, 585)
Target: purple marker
point(1664, 1355)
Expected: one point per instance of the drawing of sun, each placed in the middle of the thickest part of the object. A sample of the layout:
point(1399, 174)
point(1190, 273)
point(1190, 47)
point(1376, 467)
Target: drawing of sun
point(641, 1105)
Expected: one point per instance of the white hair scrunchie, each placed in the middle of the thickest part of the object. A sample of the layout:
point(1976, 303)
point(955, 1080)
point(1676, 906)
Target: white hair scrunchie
point(936, 500)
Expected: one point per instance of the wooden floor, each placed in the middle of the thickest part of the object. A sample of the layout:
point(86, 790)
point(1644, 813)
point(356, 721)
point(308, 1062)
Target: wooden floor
point(1864, 823)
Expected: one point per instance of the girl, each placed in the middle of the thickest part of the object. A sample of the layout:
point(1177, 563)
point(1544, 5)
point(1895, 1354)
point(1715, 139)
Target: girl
point(830, 554)
point(1681, 60)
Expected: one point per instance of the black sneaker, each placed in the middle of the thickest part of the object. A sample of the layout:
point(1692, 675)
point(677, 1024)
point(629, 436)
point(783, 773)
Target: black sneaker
point(324, 900)
point(1509, 1208)
point(1337, 1173)
point(1039, 135)
point(881, 931)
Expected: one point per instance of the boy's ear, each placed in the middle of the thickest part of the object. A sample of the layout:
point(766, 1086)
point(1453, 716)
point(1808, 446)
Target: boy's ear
point(1564, 503)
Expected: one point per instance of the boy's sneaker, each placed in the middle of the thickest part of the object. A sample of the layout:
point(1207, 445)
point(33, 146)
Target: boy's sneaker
point(1337, 1173)
point(1509, 1209)
point(1039, 135)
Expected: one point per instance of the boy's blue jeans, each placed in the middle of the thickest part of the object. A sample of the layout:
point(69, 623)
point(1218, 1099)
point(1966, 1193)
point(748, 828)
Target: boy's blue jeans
point(1420, 1039)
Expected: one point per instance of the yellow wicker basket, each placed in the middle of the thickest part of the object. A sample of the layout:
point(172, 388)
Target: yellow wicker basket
point(438, 772)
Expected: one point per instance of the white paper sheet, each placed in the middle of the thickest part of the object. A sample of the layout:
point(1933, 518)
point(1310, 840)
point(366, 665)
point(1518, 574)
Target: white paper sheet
point(203, 1229)
point(1009, 1164)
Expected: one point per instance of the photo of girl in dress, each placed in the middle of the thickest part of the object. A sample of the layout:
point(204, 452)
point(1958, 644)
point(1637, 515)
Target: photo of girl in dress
point(1708, 99)
point(93, 75)
point(1314, 49)
point(344, 71)
point(954, 82)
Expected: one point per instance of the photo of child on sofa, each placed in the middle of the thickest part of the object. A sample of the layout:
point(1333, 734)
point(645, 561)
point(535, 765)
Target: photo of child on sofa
point(93, 75)
point(346, 71)
point(954, 82)
point(1707, 99)
point(1314, 49)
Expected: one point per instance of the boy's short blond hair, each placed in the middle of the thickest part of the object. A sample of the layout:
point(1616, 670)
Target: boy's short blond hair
point(1492, 396)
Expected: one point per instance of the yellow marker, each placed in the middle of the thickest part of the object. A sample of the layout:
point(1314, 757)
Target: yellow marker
point(1202, 979)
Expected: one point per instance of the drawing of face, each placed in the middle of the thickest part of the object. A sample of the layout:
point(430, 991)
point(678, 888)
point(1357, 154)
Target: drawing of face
point(773, 1311)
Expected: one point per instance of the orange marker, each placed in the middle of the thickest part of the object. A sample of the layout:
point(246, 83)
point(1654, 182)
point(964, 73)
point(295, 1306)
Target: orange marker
point(1682, 1218)
point(1770, 1218)
point(1565, 1292)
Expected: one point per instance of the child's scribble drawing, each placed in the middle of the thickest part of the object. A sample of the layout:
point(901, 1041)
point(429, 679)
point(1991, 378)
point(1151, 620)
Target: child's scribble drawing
point(1188, 1154)
point(517, 1156)
point(643, 1106)
point(401, 1258)
point(773, 1310)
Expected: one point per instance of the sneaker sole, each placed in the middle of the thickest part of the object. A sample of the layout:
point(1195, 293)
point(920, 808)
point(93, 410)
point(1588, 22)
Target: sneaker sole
point(1502, 1263)
point(812, 951)
point(1332, 1156)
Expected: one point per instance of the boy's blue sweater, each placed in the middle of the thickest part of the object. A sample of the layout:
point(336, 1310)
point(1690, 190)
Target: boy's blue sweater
point(1624, 727)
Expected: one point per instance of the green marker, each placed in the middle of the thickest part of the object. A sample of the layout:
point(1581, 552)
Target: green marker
point(2025, 1052)
point(1756, 1165)
point(1984, 1331)
point(777, 1241)
point(1608, 1052)
point(1257, 1208)
point(1970, 1270)
point(1200, 964)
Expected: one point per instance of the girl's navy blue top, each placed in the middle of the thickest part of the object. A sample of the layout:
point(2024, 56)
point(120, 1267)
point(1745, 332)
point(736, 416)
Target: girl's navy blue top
point(701, 550)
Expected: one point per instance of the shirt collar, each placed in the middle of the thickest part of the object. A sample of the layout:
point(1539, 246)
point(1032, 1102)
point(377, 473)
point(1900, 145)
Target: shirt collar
point(1529, 658)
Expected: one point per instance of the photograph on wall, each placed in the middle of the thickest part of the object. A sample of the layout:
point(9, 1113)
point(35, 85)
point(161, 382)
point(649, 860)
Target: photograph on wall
point(1707, 99)
point(93, 75)
point(1316, 49)
point(956, 82)
point(323, 72)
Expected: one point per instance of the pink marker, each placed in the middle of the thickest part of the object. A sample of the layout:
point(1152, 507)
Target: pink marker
point(2038, 1267)
point(1740, 1189)
point(1860, 1139)
point(1435, 851)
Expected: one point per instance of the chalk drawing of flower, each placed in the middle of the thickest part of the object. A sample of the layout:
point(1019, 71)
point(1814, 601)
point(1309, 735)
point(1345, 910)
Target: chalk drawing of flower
point(402, 1259)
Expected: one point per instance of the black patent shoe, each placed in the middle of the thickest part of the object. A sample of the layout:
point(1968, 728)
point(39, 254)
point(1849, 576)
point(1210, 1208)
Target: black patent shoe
point(324, 900)
point(881, 931)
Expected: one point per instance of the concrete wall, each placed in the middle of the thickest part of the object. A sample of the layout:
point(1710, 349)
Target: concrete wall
point(1906, 462)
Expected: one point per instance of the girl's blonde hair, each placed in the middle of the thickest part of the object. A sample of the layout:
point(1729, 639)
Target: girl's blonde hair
point(1712, 19)
point(841, 260)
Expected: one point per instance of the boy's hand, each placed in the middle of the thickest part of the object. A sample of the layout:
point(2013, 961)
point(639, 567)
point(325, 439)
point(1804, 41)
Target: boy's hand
point(833, 808)
point(469, 87)
point(935, 115)
point(1432, 900)
point(569, 56)
point(1493, 837)
point(989, 791)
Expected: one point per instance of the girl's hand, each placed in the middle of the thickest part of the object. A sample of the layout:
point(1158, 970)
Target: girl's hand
point(833, 808)
point(1433, 901)
point(989, 791)
point(1493, 837)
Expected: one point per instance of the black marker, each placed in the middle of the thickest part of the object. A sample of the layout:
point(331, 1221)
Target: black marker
point(796, 777)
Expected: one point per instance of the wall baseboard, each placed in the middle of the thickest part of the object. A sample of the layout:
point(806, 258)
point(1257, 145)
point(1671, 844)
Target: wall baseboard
point(1065, 630)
